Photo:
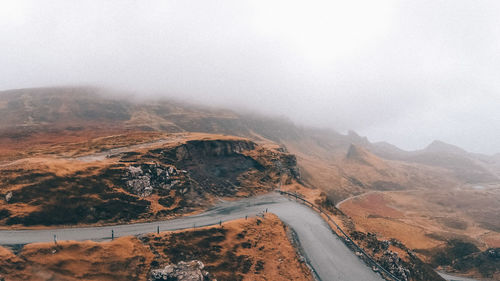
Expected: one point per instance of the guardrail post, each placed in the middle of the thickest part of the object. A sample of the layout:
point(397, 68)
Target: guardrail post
point(158, 230)
point(112, 234)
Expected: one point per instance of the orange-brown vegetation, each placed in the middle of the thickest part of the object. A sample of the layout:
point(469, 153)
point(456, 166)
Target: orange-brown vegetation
point(419, 204)
point(428, 221)
point(184, 172)
point(253, 249)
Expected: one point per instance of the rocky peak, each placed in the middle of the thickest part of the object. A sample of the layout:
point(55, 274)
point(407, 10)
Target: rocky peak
point(439, 146)
point(354, 137)
point(356, 153)
point(359, 155)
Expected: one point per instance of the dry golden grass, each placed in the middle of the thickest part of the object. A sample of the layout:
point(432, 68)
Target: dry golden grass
point(253, 249)
point(261, 243)
point(60, 169)
point(426, 219)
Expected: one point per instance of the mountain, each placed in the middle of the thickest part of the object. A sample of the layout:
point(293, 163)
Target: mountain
point(73, 113)
point(467, 167)
point(163, 158)
point(362, 156)
point(442, 147)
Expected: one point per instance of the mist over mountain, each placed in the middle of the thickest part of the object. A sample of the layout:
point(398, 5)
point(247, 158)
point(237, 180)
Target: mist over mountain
point(31, 111)
point(62, 139)
point(249, 140)
point(406, 73)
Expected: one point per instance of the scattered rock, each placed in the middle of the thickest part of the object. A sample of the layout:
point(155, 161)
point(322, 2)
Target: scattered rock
point(142, 180)
point(393, 263)
point(8, 196)
point(182, 271)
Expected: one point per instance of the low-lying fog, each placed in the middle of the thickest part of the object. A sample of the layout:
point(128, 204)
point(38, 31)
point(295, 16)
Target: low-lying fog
point(407, 72)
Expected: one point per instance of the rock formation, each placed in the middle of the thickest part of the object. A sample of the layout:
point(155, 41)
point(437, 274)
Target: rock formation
point(182, 271)
point(141, 180)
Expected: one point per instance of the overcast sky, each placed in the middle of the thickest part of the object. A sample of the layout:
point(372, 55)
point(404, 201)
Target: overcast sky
point(407, 72)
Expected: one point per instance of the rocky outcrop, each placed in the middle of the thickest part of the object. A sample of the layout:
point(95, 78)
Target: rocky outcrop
point(393, 263)
point(225, 167)
point(182, 271)
point(8, 196)
point(142, 179)
point(286, 165)
point(212, 148)
point(402, 263)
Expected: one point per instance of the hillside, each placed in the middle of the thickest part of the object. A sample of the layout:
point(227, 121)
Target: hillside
point(467, 167)
point(253, 249)
point(133, 160)
point(49, 113)
point(173, 174)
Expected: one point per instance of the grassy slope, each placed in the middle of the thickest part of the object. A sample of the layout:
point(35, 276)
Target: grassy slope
point(253, 249)
point(42, 118)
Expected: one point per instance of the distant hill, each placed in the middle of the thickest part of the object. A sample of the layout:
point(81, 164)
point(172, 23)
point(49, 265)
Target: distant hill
point(468, 167)
point(321, 152)
point(442, 147)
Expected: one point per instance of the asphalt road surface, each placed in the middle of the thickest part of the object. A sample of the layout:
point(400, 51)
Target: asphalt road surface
point(324, 251)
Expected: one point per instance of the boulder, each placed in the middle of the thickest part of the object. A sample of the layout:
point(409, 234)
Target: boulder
point(142, 180)
point(182, 271)
point(8, 196)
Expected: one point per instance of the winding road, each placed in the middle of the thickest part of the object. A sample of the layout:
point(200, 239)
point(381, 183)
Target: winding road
point(324, 251)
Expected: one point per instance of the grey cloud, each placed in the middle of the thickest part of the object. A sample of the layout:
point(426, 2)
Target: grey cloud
point(403, 71)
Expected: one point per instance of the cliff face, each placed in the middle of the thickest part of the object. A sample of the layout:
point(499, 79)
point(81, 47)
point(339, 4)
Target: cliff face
point(228, 167)
point(212, 148)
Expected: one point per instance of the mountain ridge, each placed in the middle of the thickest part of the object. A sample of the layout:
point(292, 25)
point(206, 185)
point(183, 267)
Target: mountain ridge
point(56, 110)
